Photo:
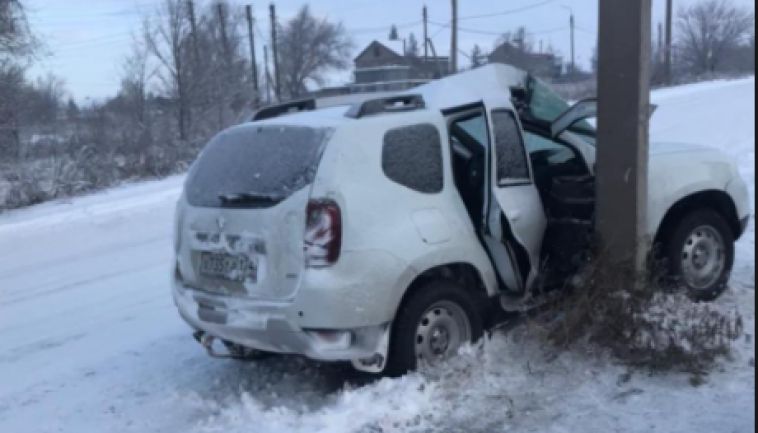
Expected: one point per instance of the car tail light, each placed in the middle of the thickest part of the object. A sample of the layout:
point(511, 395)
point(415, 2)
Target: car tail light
point(323, 233)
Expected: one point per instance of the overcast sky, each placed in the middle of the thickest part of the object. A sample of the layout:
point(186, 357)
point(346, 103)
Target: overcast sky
point(87, 40)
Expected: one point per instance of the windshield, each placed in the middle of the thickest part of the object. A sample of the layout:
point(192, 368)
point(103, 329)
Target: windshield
point(546, 105)
point(256, 165)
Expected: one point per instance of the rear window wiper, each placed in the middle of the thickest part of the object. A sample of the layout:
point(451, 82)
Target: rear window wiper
point(250, 198)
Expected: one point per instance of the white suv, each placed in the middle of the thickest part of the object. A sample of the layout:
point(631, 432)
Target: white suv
point(383, 232)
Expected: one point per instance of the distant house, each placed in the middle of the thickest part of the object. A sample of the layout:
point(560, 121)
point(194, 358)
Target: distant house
point(379, 67)
point(543, 65)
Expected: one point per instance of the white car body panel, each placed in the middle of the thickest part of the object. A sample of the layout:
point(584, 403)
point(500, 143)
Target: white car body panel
point(678, 170)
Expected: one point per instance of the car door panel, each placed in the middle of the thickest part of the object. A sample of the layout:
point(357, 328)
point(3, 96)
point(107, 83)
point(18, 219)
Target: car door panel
point(514, 190)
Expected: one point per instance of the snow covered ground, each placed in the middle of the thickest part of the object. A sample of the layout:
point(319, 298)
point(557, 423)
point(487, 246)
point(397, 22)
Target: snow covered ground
point(90, 340)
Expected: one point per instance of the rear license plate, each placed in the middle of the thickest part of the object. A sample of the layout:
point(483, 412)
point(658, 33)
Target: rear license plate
point(237, 268)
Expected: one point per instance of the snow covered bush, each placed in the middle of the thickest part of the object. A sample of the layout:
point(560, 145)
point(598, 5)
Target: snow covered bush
point(77, 167)
point(648, 326)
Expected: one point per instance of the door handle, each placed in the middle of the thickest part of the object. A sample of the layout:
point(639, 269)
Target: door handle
point(515, 216)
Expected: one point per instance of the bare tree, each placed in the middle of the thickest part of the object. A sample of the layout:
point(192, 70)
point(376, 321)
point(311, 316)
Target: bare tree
point(393, 36)
point(11, 84)
point(16, 45)
point(134, 83)
point(710, 29)
point(45, 100)
point(167, 40)
point(519, 39)
point(309, 48)
point(412, 50)
point(228, 67)
point(16, 38)
point(477, 57)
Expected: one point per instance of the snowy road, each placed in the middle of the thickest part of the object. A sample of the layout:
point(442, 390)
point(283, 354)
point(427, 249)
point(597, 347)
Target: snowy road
point(90, 340)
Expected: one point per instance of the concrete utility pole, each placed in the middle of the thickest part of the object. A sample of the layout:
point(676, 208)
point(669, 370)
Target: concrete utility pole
point(623, 120)
point(454, 39)
point(572, 26)
point(275, 59)
point(573, 44)
point(659, 54)
point(667, 73)
point(426, 34)
point(253, 61)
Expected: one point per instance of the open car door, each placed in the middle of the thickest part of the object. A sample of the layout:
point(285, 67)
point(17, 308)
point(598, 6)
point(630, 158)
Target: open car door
point(580, 112)
point(516, 218)
point(576, 116)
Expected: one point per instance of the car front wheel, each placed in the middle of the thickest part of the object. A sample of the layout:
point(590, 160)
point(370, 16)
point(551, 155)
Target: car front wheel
point(701, 254)
point(432, 324)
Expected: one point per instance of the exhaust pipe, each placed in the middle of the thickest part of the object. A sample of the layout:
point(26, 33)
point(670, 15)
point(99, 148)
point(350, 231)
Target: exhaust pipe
point(206, 341)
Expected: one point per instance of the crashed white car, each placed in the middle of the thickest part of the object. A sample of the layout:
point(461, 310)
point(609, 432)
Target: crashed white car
point(385, 232)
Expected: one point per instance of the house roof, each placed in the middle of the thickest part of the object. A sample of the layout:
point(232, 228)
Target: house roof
point(390, 46)
point(396, 47)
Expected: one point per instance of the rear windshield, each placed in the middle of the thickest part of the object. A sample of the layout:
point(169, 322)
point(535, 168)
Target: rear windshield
point(272, 161)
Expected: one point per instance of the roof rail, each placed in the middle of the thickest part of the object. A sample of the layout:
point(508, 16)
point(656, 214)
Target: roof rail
point(391, 104)
point(286, 108)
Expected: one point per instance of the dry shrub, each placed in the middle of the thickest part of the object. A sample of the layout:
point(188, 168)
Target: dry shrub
point(648, 325)
point(80, 168)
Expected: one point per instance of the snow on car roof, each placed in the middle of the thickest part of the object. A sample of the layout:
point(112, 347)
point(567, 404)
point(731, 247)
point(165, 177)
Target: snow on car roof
point(486, 82)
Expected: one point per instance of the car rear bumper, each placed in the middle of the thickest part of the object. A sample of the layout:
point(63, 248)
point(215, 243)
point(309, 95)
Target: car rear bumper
point(271, 327)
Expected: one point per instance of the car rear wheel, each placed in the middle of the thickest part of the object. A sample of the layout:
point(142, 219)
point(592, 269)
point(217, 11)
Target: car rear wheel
point(700, 254)
point(432, 324)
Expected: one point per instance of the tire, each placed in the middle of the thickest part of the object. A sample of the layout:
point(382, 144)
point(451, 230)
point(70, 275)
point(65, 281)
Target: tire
point(435, 312)
point(700, 254)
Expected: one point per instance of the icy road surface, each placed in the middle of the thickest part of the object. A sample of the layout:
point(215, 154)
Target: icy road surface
point(90, 341)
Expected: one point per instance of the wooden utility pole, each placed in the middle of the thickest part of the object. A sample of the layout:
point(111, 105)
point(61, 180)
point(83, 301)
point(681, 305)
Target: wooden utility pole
point(454, 39)
point(193, 29)
point(222, 86)
point(224, 36)
point(253, 61)
point(274, 54)
point(426, 34)
point(623, 120)
point(266, 74)
point(667, 63)
point(185, 111)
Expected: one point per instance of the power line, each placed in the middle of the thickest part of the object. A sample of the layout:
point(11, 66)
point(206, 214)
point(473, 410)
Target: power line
point(508, 12)
point(495, 32)
point(586, 32)
point(384, 28)
point(441, 29)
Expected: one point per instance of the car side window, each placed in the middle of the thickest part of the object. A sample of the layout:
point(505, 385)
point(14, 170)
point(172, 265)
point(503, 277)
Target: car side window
point(412, 157)
point(512, 162)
